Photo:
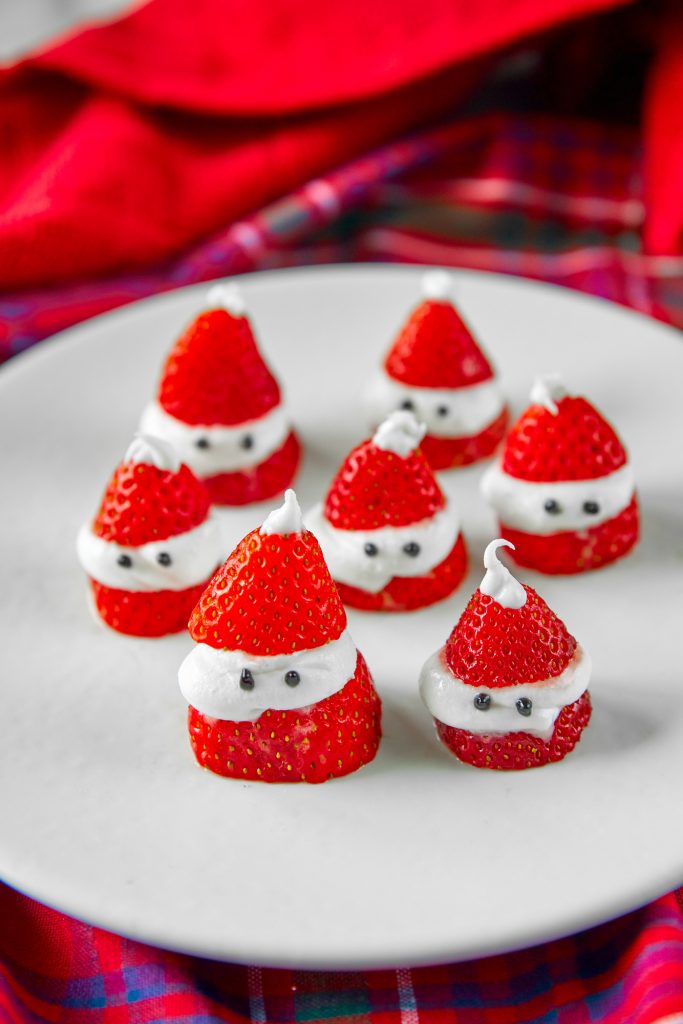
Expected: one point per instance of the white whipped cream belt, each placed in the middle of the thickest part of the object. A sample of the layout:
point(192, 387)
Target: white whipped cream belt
point(194, 556)
point(210, 679)
point(451, 701)
point(221, 449)
point(521, 504)
point(446, 412)
point(345, 554)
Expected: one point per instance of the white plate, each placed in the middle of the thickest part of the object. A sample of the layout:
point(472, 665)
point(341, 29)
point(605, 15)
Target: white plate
point(415, 858)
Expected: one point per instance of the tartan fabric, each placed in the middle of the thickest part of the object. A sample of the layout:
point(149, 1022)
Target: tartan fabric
point(629, 971)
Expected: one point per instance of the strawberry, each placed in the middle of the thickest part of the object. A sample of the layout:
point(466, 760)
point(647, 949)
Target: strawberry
point(215, 373)
point(259, 482)
point(375, 487)
point(143, 503)
point(436, 349)
point(145, 613)
point(449, 452)
point(326, 740)
point(404, 594)
point(574, 443)
point(567, 553)
point(519, 750)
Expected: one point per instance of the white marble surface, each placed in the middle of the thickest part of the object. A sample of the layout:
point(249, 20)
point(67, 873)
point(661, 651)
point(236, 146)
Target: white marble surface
point(27, 24)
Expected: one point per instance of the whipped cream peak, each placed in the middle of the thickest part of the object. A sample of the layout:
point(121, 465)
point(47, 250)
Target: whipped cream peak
point(437, 284)
point(152, 451)
point(547, 390)
point(499, 583)
point(286, 519)
point(400, 433)
point(227, 296)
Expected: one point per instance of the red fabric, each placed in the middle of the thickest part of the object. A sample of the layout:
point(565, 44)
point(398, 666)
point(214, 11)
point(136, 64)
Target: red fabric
point(111, 170)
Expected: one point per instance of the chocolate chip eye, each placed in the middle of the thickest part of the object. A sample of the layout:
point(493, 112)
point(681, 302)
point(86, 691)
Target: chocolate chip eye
point(552, 506)
point(247, 441)
point(246, 680)
point(412, 549)
point(524, 706)
point(442, 410)
point(202, 442)
point(163, 558)
point(407, 403)
point(371, 550)
point(591, 507)
point(482, 701)
point(292, 678)
point(125, 561)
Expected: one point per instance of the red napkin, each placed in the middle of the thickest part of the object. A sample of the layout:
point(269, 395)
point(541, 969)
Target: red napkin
point(130, 141)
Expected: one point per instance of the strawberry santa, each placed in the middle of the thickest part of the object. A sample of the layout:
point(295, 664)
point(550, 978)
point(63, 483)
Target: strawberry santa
point(390, 538)
point(220, 406)
point(563, 490)
point(277, 690)
point(509, 688)
point(153, 544)
point(436, 369)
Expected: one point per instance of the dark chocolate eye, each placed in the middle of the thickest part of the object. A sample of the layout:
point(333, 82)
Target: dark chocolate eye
point(292, 678)
point(247, 441)
point(202, 442)
point(442, 410)
point(163, 558)
point(482, 701)
point(125, 561)
point(524, 706)
point(246, 680)
point(412, 549)
point(407, 403)
point(591, 507)
point(552, 506)
point(371, 550)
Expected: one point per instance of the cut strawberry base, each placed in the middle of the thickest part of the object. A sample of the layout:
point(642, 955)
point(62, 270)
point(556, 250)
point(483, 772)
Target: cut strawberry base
point(324, 741)
point(451, 452)
point(573, 552)
point(408, 593)
point(516, 751)
point(145, 613)
point(270, 477)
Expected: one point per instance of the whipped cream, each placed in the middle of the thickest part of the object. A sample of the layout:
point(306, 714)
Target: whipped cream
point(451, 701)
point(499, 583)
point(194, 556)
point(438, 284)
point(399, 433)
point(146, 450)
point(228, 449)
point(285, 519)
point(521, 504)
point(226, 295)
point(547, 390)
point(445, 412)
point(210, 679)
point(348, 562)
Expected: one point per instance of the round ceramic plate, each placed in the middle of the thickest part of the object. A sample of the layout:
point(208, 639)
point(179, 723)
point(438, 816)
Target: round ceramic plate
point(415, 858)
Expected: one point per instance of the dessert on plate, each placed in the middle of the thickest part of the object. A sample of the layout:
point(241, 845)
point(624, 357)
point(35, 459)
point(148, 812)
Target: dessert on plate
point(391, 539)
point(220, 406)
point(563, 489)
point(277, 690)
point(153, 544)
point(508, 690)
point(436, 369)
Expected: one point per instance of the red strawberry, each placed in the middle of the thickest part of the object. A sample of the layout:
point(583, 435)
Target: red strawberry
point(323, 741)
point(358, 496)
point(215, 373)
point(574, 443)
point(435, 349)
point(518, 750)
point(404, 594)
point(567, 553)
point(145, 613)
point(265, 480)
point(449, 452)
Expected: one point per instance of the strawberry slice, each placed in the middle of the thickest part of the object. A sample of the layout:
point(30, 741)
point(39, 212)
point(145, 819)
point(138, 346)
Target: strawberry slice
point(264, 480)
point(450, 452)
point(145, 613)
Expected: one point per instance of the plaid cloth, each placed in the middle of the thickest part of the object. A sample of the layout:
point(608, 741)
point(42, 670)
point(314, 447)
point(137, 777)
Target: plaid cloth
point(556, 201)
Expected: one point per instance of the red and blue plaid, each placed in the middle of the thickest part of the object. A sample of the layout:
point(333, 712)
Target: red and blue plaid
point(556, 201)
